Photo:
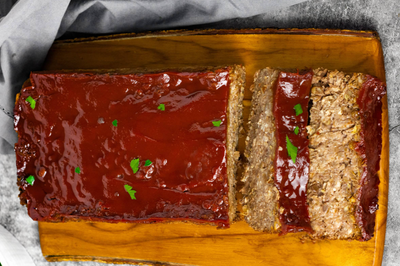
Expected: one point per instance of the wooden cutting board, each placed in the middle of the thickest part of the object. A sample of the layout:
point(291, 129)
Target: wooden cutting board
point(181, 243)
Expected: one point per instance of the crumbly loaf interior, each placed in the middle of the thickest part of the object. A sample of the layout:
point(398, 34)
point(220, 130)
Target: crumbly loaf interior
point(335, 167)
point(260, 196)
point(234, 114)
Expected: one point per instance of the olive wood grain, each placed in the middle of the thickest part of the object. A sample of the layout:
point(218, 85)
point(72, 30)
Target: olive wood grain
point(184, 243)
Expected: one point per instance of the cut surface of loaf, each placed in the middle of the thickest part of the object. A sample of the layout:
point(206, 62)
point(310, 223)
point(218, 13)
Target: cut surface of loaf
point(260, 196)
point(343, 183)
point(335, 170)
point(136, 147)
point(344, 134)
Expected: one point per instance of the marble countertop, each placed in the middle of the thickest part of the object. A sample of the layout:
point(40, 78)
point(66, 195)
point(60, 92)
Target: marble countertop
point(378, 15)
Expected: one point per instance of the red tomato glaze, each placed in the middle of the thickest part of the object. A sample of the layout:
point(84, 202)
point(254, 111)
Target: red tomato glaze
point(369, 148)
point(291, 178)
point(72, 126)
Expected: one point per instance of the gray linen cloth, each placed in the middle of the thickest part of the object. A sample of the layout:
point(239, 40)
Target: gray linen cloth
point(29, 29)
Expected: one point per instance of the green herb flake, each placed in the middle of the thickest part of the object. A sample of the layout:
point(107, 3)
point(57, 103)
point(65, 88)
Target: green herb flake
point(217, 123)
point(298, 109)
point(161, 107)
point(115, 123)
point(131, 192)
point(77, 170)
point(292, 150)
point(148, 163)
point(296, 130)
point(31, 101)
point(30, 180)
point(135, 165)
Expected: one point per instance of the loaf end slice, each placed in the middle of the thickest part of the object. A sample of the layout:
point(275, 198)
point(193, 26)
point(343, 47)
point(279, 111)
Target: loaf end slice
point(337, 163)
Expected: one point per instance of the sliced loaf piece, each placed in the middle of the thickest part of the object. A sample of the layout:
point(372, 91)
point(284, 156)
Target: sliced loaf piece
point(340, 184)
point(275, 183)
point(343, 182)
point(260, 196)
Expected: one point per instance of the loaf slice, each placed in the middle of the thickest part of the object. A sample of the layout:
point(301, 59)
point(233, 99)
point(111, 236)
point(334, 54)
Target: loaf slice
point(260, 196)
point(345, 146)
point(128, 146)
point(340, 184)
point(275, 183)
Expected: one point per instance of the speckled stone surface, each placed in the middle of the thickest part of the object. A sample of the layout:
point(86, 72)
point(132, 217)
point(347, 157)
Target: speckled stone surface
point(382, 16)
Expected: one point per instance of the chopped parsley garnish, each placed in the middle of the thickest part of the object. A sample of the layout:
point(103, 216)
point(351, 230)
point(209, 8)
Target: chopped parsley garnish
point(148, 163)
point(77, 170)
point(131, 192)
point(217, 123)
point(296, 130)
point(292, 150)
point(30, 180)
point(161, 107)
point(31, 101)
point(115, 123)
point(298, 109)
point(135, 165)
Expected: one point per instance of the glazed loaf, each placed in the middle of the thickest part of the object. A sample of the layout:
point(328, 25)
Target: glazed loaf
point(313, 172)
point(130, 147)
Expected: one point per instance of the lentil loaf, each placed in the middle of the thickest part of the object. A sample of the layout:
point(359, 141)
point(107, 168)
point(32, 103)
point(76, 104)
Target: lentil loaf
point(335, 189)
point(260, 196)
point(128, 146)
point(344, 134)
